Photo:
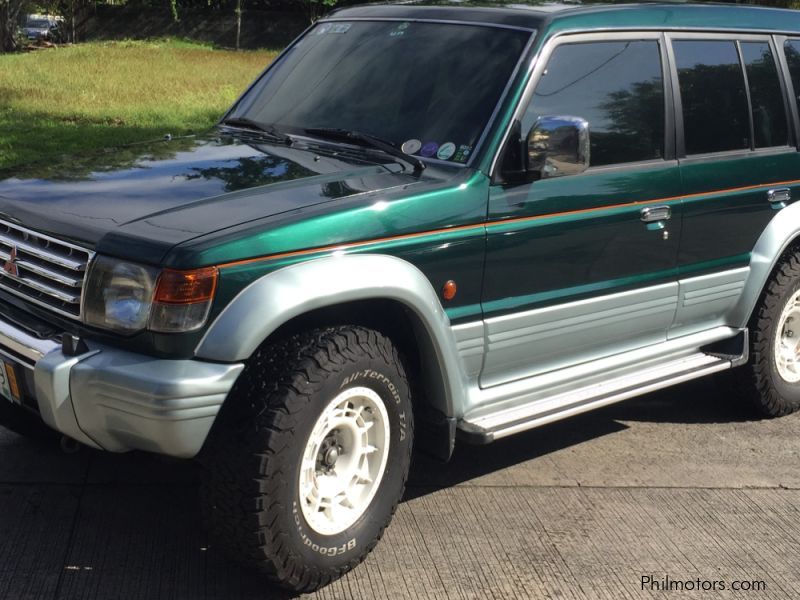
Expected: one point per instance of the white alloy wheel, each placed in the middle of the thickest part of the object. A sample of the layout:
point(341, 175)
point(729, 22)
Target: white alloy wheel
point(344, 460)
point(787, 341)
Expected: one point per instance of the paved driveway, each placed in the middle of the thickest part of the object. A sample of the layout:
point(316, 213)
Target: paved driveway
point(679, 484)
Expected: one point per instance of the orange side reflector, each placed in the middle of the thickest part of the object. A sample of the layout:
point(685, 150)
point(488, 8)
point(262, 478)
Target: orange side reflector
point(13, 385)
point(186, 287)
point(449, 290)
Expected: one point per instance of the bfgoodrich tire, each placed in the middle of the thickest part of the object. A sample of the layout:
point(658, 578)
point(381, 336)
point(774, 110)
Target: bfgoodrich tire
point(771, 379)
point(309, 458)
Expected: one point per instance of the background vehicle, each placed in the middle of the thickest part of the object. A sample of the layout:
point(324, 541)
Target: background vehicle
point(565, 208)
point(41, 29)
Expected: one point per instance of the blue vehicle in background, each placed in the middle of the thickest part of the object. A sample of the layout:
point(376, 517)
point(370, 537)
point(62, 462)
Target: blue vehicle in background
point(42, 28)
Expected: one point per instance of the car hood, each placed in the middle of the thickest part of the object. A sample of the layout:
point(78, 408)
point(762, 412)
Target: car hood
point(165, 193)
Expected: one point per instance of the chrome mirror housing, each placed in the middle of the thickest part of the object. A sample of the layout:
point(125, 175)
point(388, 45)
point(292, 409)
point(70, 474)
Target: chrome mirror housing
point(558, 145)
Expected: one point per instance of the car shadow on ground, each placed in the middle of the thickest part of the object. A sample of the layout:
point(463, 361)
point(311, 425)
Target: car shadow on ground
point(698, 402)
point(129, 526)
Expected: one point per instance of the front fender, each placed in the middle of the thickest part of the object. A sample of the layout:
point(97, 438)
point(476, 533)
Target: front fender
point(269, 302)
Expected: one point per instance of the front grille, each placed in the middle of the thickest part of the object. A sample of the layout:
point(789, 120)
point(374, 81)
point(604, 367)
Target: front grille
point(42, 269)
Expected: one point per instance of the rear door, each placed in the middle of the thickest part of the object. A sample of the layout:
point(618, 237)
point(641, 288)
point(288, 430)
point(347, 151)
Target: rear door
point(737, 161)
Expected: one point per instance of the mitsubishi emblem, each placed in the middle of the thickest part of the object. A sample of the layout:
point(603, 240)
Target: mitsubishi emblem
point(10, 266)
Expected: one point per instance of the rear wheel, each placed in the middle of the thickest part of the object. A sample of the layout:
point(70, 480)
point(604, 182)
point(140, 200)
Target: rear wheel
point(771, 380)
point(309, 458)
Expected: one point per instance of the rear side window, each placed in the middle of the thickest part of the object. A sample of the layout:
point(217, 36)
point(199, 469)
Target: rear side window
point(766, 96)
point(715, 111)
point(617, 87)
point(792, 50)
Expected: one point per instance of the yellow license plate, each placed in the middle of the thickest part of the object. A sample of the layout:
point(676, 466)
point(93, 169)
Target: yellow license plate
point(9, 385)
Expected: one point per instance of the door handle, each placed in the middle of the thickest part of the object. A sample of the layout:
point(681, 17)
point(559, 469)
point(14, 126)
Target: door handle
point(779, 197)
point(652, 214)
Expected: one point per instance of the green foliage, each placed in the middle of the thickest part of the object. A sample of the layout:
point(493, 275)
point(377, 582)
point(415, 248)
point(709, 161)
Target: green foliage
point(315, 9)
point(74, 99)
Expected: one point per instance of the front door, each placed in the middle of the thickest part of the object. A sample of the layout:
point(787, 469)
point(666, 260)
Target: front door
point(576, 267)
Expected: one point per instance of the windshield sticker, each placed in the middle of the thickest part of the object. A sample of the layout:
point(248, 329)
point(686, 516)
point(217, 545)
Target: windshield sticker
point(411, 146)
point(463, 153)
point(446, 151)
point(333, 28)
point(399, 30)
point(429, 149)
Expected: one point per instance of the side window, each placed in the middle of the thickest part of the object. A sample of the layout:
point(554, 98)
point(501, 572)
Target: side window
point(715, 111)
point(618, 87)
point(792, 50)
point(766, 96)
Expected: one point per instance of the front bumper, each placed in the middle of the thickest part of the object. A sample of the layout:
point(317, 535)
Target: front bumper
point(116, 400)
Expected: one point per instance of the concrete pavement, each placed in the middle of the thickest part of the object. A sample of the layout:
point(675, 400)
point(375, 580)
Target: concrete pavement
point(680, 484)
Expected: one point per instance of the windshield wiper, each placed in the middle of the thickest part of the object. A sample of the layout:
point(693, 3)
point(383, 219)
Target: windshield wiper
point(270, 130)
point(348, 135)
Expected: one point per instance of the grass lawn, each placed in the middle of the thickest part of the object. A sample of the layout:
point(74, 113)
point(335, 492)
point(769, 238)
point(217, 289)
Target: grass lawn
point(73, 99)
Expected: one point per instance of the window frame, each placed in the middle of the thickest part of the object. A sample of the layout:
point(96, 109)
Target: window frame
point(790, 94)
point(736, 37)
point(540, 62)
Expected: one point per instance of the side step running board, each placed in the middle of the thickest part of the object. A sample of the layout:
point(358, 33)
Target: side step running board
point(487, 428)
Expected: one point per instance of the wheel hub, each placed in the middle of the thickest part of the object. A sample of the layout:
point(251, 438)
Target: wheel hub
point(329, 452)
point(787, 342)
point(344, 460)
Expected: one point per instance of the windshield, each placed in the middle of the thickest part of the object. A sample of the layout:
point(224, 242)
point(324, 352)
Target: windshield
point(429, 88)
point(39, 24)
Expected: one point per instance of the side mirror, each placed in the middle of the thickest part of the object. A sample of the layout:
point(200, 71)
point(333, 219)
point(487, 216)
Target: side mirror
point(558, 146)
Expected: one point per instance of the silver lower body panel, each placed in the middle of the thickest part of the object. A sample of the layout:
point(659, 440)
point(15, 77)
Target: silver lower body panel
point(505, 410)
point(120, 401)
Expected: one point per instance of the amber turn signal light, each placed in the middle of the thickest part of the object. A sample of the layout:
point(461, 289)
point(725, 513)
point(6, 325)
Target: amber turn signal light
point(186, 287)
point(449, 290)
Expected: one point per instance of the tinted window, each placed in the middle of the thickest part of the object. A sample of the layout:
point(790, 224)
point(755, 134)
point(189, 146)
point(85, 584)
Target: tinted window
point(766, 96)
point(713, 94)
point(617, 87)
point(792, 48)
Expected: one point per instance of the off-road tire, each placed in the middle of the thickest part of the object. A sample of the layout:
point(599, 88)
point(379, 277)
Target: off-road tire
point(759, 382)
point(253, 455)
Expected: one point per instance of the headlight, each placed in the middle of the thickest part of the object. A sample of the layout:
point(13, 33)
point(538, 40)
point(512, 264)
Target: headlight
point(127, 297)
point(118, 295)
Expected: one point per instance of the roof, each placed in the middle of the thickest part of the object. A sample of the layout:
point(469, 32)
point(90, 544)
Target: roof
point(537, 15)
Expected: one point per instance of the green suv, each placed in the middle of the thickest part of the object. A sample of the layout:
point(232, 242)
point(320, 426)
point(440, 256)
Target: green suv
point(420, 224)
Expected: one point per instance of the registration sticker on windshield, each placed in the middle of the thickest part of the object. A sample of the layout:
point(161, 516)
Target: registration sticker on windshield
point(411, 146)
point(446, 151)
point(463, 153)
point(399, 30)
point(333, 28)
point(429, 149)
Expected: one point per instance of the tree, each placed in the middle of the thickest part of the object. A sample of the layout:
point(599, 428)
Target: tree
point(73, 11)
point(314, 9)
point(238, 12)
point(10, 10)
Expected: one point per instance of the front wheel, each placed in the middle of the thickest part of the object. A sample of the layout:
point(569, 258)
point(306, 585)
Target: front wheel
point(309, 458)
